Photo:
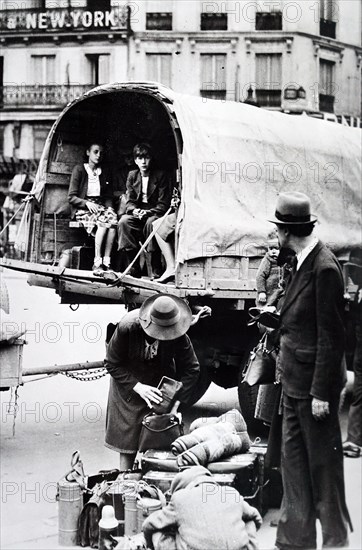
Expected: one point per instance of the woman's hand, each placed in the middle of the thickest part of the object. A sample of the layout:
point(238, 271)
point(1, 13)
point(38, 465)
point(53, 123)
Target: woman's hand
point(148, 393)
point(92, 207)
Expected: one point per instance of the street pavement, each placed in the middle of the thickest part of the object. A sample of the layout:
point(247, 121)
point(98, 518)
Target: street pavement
point(57, 415)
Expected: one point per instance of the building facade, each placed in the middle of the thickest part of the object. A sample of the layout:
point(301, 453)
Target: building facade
point(285, 55)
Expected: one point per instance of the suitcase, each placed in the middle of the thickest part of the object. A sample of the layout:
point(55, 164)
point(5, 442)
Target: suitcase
point(82, 257)
point(163, 480)
point(161, 461)
point(249, 471)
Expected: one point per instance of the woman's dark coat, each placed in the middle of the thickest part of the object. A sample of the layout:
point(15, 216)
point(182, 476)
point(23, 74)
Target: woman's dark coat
point(126, 363)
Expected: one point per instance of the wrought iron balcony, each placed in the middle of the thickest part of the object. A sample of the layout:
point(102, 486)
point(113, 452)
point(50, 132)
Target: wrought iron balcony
point(45, 97)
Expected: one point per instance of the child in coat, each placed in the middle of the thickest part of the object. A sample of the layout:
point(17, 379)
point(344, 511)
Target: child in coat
point(268, 275)
point(202, 515)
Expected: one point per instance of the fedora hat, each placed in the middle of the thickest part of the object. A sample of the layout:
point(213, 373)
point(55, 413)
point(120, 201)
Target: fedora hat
point(165, 317)
point(293, 209)
point(355, 258)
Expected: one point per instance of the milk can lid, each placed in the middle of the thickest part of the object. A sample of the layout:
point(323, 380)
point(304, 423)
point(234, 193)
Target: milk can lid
point(108, 519)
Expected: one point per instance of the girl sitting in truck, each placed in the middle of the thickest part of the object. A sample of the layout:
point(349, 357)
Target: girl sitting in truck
point(90, 197)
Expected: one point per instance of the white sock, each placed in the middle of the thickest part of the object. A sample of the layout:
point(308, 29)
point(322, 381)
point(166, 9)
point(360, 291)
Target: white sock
point(97, 261)
point(107, 260)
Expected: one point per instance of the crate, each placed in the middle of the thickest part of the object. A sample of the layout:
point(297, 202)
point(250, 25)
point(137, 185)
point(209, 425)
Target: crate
point(11, 361)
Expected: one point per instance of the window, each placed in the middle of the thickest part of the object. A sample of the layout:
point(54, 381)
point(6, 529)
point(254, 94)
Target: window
point(328, 11)
point(268, 69)
point(1, 140)
point(326, 85)
point(40, 134)
point(159, 68)
point(43, 69)
point(98, 68)
point(214, 21)
point(269, 21)
point(159, 21)
point(55, 4)
point(213, 76)
point(95, 5)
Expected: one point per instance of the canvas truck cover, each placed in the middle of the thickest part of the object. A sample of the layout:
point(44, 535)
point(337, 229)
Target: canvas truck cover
point(237, 158)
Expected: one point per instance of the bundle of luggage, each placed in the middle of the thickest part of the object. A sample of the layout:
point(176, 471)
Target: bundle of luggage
point(212, 469)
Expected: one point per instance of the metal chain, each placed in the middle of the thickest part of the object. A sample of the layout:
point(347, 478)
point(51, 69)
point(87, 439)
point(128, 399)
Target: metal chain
point(13, 396)
point(86, 375)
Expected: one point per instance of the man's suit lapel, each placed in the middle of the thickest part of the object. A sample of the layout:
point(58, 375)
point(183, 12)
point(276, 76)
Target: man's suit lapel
point(152, 184)
point(301, 278)
point(137, 185)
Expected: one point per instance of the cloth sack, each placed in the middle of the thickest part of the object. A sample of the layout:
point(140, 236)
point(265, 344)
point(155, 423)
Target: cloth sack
point(260, 368)
point(214, 431)
point(170, 389)
point(213, 449)
point(234, 416)
point(159, 431)
point(88, 530)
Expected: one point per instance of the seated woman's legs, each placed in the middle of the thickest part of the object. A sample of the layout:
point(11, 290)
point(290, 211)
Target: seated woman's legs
point(98, 242)
point(169, 256)
point(110, 236)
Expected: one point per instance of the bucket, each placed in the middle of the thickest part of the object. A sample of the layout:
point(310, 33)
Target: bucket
point(70, 504)
point(145, 507)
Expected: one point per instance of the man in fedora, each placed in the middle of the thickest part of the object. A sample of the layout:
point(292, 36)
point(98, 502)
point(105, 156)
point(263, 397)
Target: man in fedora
point(148, 343)
point(352, 445)
point(312, 376)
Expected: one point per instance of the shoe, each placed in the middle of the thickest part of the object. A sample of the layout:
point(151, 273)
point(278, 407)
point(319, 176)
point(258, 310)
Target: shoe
point(351, 450)
point(165, 278)
point(98, 270)
point(105, 267)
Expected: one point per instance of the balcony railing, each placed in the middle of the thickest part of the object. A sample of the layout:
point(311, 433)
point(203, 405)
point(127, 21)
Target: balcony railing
point(47, 97)
point(269, 98)
point(326, 103)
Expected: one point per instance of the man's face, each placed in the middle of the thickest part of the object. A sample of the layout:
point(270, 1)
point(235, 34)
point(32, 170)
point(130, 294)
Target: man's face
point(143, 164)
point(282, 237)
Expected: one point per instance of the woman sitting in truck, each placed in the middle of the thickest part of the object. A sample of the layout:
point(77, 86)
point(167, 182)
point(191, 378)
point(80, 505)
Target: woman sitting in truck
point(90, 197)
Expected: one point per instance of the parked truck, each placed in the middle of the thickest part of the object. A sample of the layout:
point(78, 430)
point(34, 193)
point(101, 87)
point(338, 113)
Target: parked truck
point(228, 161)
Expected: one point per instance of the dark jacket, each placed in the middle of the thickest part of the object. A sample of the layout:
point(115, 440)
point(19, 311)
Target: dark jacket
point(268, 275)
point(79, 185)
point(126, 363)
point(312, 329)
point(158, 192)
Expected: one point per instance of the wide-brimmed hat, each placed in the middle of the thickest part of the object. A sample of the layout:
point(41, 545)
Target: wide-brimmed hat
point(355, 258)
point(293, 208)
point(165, 317)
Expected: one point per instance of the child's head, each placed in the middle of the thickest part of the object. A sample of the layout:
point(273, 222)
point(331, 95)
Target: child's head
point(189, 475)
point(273, 245)
point(94, 153)
point(142, 154)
